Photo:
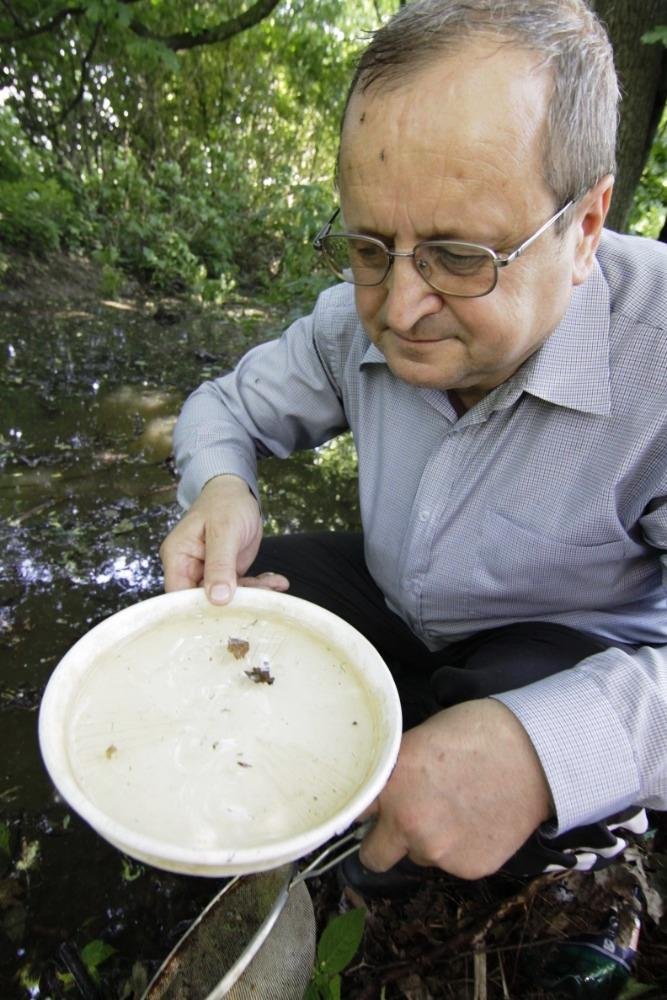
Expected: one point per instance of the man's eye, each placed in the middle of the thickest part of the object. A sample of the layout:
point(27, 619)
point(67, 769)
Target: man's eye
point(367, 254)
point(456, 260)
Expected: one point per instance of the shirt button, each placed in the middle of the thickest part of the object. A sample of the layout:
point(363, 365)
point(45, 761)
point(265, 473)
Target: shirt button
point(424, 515)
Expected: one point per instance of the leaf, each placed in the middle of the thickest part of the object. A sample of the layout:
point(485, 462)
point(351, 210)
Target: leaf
point(96, 952)
point(658, 34)
point(634, 989)
point(4, 839)
point(123, 15)
point(94, 11)
point(130, 870)
point(123, 527)
point(169, 59)
point(334, 988)
point(29, 855)
point(340, 940)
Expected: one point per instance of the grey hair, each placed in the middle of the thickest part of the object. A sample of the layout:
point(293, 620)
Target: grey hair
point(580, 136)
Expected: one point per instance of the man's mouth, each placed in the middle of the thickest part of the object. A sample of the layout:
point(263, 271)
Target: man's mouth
point(420, 340)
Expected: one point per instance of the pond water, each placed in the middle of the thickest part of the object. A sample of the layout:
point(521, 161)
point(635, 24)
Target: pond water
point(88, 398)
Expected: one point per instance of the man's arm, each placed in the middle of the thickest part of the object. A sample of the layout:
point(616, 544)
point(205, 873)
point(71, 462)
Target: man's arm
point(466, 793)
point(279, 398)
point(474, 781)
point(600, 731)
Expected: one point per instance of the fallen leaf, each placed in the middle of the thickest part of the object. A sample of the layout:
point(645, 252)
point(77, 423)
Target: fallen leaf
point(238, 647)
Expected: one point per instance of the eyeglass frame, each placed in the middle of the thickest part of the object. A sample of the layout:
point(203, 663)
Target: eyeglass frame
point(497, 259)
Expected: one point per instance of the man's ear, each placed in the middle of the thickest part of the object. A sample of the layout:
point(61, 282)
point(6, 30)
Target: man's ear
point(591, 211)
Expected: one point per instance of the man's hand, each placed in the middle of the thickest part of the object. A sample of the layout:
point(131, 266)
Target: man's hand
point(467, 791)
point(216, 541)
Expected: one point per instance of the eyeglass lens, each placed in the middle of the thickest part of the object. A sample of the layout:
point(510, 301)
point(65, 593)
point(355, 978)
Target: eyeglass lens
point(449, 267)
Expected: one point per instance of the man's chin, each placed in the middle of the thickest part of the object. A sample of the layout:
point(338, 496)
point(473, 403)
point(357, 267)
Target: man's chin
point(422, 373)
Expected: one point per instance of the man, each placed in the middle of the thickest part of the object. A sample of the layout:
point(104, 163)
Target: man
point(501, 363)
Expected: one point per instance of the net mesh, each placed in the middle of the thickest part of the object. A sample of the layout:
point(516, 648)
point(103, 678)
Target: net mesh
point(283, 965)
point(223, 934)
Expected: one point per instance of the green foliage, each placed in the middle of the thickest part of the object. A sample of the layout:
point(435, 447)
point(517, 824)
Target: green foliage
point(4, 841)
point(658, 34)
point(200, 171)
point(650, 201)
point(337, 947)
point(93, 955)
point(35, 213)
point(633, 989)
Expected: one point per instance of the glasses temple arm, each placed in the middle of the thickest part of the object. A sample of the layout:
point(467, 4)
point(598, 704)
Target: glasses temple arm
point(504, 261)
point(325, 230)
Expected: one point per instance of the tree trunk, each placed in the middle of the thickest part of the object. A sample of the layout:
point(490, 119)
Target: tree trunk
point(642, 70)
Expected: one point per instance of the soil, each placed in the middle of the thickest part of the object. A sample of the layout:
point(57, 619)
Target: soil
point(70, 283)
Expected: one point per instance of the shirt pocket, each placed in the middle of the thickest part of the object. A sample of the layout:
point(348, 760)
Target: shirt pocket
point(529, 572)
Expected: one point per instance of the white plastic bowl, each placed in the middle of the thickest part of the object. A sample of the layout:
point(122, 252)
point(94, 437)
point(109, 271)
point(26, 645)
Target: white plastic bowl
point(188, 758)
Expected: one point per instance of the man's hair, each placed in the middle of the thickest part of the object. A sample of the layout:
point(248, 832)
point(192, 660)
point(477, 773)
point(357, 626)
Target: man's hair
point(582, 117)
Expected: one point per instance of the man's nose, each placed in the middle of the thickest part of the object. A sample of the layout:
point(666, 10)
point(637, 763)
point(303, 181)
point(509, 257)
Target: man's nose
point(409, 297)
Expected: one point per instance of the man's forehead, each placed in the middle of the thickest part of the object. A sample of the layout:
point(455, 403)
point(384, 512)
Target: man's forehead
point(469, 118)
point(453, 151)
point(478, 82)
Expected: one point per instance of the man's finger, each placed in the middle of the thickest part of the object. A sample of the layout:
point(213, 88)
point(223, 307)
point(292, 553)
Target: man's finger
point(380, 849)
point(265, 581)
point(183, 564)
point(220, 570)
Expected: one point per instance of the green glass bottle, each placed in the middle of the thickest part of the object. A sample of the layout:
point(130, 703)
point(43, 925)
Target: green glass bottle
point(596, 966)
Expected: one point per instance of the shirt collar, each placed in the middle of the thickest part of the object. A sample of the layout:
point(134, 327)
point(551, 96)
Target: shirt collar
point(571, 368)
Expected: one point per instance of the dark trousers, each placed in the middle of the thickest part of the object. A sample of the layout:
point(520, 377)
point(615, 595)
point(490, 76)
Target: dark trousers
point(329, 569)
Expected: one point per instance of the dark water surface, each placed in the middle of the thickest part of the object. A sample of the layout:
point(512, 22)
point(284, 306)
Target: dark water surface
point(88, 397)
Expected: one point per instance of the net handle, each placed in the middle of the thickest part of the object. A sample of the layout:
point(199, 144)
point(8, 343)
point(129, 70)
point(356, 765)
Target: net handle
point(333, 855)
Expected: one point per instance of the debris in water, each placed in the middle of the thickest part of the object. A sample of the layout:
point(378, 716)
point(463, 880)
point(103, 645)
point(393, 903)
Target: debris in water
point(238, 647)
point(261, 674)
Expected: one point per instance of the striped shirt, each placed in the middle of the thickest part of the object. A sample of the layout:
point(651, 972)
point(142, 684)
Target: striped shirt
point(545, 501)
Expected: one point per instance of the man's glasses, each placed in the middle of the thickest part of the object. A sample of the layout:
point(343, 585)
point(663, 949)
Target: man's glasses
point(452, 267)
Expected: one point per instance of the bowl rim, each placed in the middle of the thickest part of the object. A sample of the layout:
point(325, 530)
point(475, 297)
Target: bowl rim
point(69, 673)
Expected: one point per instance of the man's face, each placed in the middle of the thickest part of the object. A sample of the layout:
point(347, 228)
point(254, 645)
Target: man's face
point(454, 152)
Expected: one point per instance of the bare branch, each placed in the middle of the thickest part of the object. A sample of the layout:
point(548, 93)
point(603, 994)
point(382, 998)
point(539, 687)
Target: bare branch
point(220, 33)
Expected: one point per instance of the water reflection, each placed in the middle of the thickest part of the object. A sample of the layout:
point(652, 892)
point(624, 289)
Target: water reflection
point(136, 574)
point(87, 405)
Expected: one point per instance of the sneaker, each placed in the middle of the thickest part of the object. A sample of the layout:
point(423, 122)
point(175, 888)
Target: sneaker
point(585, 848)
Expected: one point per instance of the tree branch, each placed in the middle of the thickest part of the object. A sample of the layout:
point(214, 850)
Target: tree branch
point(42, 29)
point(39, 29)
point(85, 63)
point(13, 15)
point(220, 33)
point(177, 42)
